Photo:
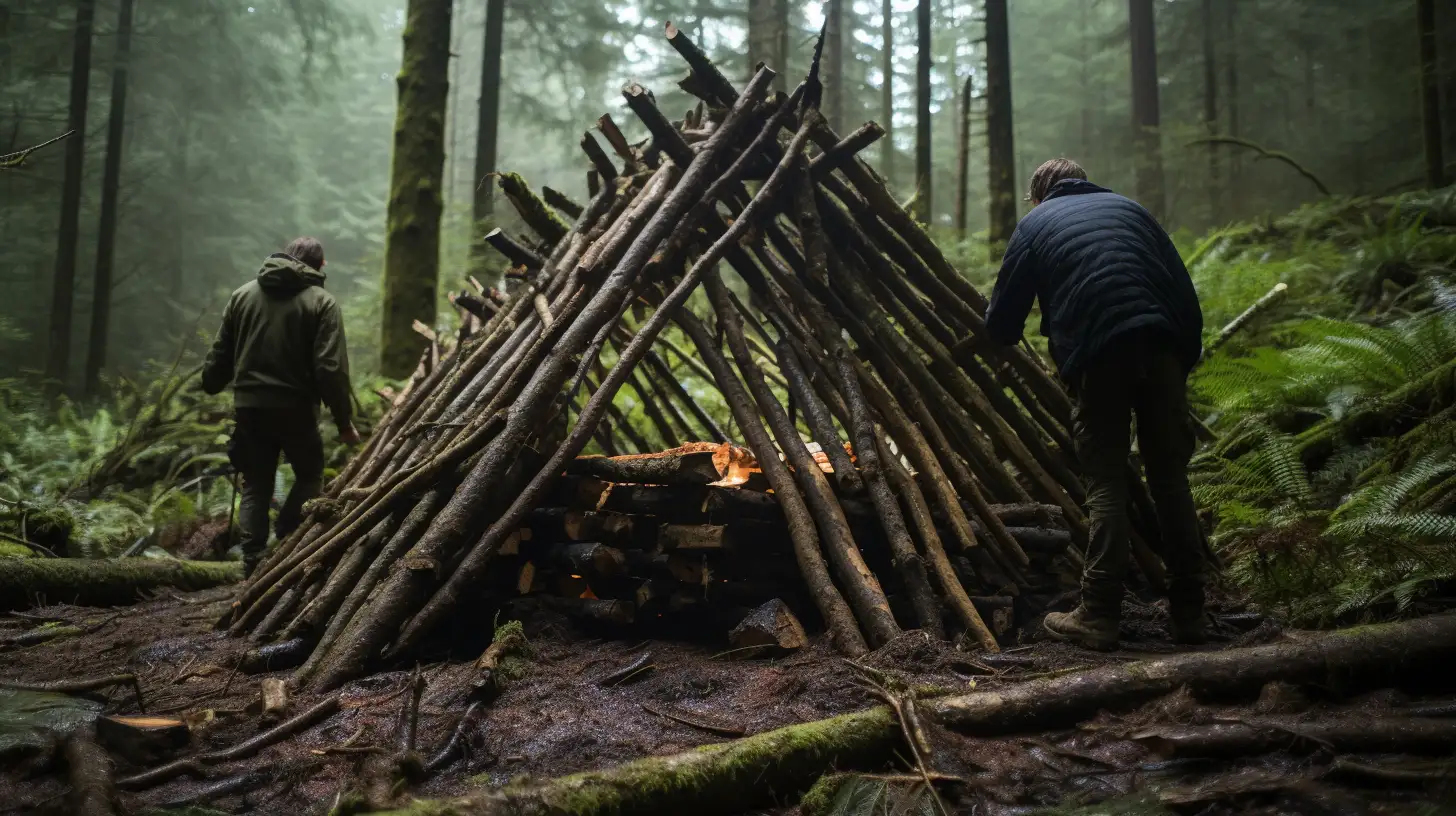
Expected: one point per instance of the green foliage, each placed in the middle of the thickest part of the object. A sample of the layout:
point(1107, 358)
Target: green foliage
point(1370, 530)
point(854, 795)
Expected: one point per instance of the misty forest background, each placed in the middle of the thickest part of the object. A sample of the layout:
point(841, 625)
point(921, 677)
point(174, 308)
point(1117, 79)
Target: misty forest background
point(248, 123)
point(1281, 141)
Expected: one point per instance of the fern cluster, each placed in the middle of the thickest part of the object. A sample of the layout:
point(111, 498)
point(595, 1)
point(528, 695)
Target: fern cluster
point(144, 467)
point(1320, 510)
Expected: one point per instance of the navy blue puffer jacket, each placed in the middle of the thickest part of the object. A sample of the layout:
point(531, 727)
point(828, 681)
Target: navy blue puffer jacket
point(1101, 266)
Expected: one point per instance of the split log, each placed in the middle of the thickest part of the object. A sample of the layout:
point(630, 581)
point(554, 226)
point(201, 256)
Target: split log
point(247, 748)
point(113, 582)
point(142, 738)
point(685, 466)
point(769, 629)
point(758, 771)
point(589, 559)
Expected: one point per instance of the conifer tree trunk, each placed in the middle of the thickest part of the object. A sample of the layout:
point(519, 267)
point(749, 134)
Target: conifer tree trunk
point(834, 63)
point(110, 187)
point(1210, 112)
point(963, 177)
point(412, 249)
point(58, 359)
point(1142, 36)
point(768, 36)
point(923, 193)
point(887, 89)
point(1231, 82)
point(1430, 94)
point(1000, 135)
point(487, 126)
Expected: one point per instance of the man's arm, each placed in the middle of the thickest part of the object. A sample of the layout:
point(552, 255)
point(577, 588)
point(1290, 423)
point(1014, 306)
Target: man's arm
point(1015, 291)
point(331, 366)
point(217, 369)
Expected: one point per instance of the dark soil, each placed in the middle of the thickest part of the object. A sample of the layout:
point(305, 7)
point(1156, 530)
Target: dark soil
point(556, 719)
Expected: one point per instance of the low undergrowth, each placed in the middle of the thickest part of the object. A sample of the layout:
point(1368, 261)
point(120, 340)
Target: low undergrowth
point(138, 472)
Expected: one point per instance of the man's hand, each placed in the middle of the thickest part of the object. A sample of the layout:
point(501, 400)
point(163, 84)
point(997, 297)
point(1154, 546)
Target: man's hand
point(349, 436)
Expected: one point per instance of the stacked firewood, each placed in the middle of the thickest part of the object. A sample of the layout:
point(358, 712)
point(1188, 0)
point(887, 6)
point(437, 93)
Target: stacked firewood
point(689, 541)
point(856, 322)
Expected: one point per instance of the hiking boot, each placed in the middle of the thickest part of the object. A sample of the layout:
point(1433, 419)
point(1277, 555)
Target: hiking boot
point(1186, 623)
point(1083, 628)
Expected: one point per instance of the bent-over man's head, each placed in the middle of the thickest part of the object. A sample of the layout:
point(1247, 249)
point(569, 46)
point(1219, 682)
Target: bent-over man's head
point(307, 251)
point(1049, 174)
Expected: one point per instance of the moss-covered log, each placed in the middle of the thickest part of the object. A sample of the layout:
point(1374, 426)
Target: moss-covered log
point(412, 247)
point(743, 774)
point(104, 583)
point(730, 777)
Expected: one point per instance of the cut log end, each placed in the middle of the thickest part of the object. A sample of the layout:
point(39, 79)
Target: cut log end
point(771, 628)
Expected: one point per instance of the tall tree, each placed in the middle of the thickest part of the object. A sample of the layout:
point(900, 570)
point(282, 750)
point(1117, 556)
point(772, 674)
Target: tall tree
point(924, 199)
point(768, 36)
point(1210, 111)
point(1147, 140)
point(110, 187)
point(834, 76)
point(963, 176)
point(412, 248)
point(887, 88)
point(1231, 84)
point(1000, 131)
point(58, 360)
point(1430, 94)
point(488, 123)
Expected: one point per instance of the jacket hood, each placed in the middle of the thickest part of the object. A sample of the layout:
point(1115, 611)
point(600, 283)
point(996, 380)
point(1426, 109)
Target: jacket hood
point(285, 273)
point(1067, 187)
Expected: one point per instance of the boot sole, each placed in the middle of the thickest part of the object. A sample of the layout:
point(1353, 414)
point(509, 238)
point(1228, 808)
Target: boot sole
point(1077, 640)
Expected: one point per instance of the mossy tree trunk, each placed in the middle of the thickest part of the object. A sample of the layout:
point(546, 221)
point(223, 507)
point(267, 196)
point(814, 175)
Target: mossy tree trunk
point(924, 210)
point(887, 89)
point(58, 353)
point(1000, 137)
point(487, 127)
point(1147, 138)
point(412, 250)
point(110, 192)
point(1430, 94)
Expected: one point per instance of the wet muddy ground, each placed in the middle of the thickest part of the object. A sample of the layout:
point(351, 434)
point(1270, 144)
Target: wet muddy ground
point(558, 719)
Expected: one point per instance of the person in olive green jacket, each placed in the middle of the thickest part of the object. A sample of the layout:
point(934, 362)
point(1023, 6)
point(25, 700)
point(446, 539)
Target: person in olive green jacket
point(281, 347)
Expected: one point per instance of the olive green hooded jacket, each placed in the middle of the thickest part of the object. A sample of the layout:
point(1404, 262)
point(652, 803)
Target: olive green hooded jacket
point(281, 344)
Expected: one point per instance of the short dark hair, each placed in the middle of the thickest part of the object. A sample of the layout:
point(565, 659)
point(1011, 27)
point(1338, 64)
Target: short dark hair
point(1050, 173)
point(306, 250)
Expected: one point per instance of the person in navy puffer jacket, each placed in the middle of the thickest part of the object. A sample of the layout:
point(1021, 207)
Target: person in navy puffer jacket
point(1125, 330)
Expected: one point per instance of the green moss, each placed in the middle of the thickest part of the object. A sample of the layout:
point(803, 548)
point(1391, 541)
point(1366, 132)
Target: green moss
point(819, 801)
point(540, 218)
point(11, 550)
point(784, 760)
point(105, 583)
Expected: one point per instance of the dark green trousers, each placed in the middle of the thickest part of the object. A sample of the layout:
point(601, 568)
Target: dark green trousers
point(1137, 376)
point(260, 436)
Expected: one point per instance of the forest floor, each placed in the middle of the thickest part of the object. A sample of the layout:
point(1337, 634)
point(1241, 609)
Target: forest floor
point(556, 719)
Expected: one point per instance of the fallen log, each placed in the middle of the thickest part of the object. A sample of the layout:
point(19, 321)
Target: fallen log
point(765, 769)
point(1382, 735)
point(113, 582)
